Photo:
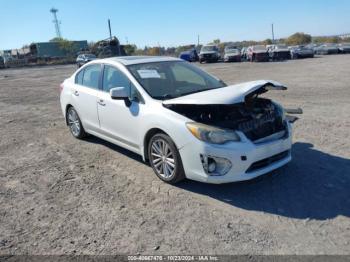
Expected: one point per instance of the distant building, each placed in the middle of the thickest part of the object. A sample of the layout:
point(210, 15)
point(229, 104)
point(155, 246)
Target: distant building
point(344, 36)
point(55, 50)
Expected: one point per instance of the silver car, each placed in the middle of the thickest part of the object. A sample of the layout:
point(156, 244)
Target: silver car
point(84, 58)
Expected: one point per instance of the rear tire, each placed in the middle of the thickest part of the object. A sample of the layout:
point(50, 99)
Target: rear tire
point(165, 159)
point(74, 123)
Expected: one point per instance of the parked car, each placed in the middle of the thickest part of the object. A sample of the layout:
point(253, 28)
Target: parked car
point(185, 122)
point(279, 52)
point(2, 63)
point(232, 54)
point(327, 49)
point(244, 55)
point(209, 53)
point(7, 60)
point(301, 51)
point(189, 56)
point(84, 58)
point(257, 53)
point(312, 46)
point(344, 48)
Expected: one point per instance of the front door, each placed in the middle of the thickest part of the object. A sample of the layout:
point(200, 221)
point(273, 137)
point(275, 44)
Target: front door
point(117, 120)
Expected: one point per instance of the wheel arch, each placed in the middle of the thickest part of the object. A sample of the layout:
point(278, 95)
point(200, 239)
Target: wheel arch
point(150, 133)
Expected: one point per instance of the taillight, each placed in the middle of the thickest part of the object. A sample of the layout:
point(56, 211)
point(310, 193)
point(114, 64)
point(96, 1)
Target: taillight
point(61, 87)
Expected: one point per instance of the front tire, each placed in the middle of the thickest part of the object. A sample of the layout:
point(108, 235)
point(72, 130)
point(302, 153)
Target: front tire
point(165, 159)
point(74, 123)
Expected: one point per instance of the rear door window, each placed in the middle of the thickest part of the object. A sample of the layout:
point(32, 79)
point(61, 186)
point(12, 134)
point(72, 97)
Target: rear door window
point(91, 77)
point(79, 77)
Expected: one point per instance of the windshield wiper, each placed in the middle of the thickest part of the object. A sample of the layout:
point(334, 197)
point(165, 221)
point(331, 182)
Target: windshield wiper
point(165, 96)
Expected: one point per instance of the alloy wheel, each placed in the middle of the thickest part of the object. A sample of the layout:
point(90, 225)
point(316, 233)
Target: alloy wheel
point(73, 122)
point(162, 158)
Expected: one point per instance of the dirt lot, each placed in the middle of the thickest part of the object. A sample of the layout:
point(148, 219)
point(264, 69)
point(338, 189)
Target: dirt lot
point(59, 195)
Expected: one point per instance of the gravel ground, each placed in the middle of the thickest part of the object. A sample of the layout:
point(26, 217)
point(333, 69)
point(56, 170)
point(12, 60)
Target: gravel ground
point(59, 195)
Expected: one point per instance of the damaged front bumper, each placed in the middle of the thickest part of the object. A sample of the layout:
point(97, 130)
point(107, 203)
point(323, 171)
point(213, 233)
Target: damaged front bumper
point(247, 160)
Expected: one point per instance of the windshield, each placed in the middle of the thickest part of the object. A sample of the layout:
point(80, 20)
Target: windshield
point(166, 80)
point(209, 48)
point(231, 50)
point(259, 48)
point(281, 46)
point(90, 56)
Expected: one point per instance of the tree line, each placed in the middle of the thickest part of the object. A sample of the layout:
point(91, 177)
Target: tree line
point(131, 49)
point(295, 39)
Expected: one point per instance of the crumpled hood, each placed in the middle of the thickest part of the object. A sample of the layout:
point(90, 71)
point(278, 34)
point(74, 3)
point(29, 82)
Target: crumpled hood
point(227, 95)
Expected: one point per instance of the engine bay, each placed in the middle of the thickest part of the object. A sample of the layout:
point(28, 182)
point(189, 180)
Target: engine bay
point(256, 117)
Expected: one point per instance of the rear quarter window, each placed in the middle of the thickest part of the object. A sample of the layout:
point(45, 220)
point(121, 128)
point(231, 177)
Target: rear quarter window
point(79, 77)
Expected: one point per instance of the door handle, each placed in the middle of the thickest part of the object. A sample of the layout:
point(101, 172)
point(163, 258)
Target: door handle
point(101, 102)
point(76, 93)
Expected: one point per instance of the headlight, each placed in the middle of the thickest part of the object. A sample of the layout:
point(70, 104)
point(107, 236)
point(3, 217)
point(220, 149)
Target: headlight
point(212, 134)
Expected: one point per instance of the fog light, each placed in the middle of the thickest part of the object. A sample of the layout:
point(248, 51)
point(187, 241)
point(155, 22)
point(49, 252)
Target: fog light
point(211, 166)
point(215, 166)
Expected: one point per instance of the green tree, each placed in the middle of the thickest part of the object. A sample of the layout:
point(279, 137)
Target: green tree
point(130, 49)
point(154, 51)
point(68, 47)
point(345, 40)
point(298, 39)
point(222, 47)
point(216, 41)
point(326, 39)
point(267, 42)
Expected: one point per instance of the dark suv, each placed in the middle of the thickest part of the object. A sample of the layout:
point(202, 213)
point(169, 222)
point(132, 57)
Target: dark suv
point(209, 53)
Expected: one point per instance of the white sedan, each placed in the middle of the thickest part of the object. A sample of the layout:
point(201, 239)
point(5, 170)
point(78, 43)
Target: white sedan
point(184, 121)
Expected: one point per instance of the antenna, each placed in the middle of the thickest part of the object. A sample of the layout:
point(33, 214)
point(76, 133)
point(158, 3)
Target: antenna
point(56, 22)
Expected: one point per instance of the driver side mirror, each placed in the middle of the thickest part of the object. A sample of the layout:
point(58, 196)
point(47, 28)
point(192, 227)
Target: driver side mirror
point(121, 93)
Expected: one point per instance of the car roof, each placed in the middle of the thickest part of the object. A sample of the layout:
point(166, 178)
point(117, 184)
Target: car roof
point(132, 60)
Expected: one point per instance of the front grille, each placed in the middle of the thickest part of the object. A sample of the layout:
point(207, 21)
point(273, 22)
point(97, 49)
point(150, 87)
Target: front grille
point(267, 161)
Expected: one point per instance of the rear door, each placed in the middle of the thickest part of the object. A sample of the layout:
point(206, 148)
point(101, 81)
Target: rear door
point(84, 95)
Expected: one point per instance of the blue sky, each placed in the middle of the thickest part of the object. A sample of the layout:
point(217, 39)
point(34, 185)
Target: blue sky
point(169, 22)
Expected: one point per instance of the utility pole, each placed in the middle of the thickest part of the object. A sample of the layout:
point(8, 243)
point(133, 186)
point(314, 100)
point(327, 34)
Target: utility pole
point(273, 34)
point(198, 40)
point(56, 22)
point(110, 31)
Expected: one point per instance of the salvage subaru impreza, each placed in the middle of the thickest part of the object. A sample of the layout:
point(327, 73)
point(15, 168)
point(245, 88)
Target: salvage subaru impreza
point(185, 122)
